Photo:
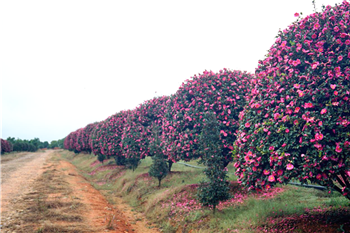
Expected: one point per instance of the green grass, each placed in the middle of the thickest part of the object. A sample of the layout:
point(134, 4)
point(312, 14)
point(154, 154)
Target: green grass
point(141, 192)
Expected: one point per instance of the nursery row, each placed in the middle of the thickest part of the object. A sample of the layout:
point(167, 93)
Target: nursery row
point(290, 120)
point(6, 146)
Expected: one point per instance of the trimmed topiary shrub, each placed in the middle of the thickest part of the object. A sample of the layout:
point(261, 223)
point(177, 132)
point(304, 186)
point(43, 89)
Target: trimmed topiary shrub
point(83, 138)
point(134, 141)
point(224, 93)
point(150, 115)
point(114, 128)
point(96, 139)
point(298, 123)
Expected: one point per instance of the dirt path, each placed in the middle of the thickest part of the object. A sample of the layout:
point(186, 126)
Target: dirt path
point(43, 193)
point(101, 214)
point(17, 176)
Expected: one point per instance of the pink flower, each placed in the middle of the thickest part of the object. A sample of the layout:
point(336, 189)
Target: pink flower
point(319, 136)
point(316, 26)
point(335, 93)
point(340, 58)
point(276, 116)
point(333, 86)
point(296, 14)
point(290, 166)
point(280, 172)
point(308, 105)
point(296, 110)
point(318, 146)
point(287, 130)
point(296, 122)
point(323, 111)
point(284, 145)
point(348, 172)
point(266, 172)
point(301, 93)
point(247, 125)
point(319, 176)
point(320, 123)
point(271, 178)
point(314, 65)
point(297, 86)
point(338, 149)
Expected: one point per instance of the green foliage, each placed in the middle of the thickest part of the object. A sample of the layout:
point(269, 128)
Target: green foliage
point(216, 189)
point(159, 168)
point(297, 125)
point(27, 145)
point(101, 157)
point(134, 148)
point(120, 160)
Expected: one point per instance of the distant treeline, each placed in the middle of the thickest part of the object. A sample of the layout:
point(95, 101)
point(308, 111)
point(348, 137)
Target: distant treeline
point(12, 144)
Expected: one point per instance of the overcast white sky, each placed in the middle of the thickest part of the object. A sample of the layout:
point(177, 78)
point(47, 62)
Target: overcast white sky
point(65, 64)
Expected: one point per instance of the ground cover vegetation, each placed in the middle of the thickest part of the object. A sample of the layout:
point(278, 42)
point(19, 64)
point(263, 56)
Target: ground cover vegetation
point(174, 206)
point(288, 121)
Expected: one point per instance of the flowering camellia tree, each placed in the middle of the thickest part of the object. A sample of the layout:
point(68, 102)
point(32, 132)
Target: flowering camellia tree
point(150, 115)
point(83, 137)
point(114, 128)
point(298, 123)
point(134, 141)
point(71, 140)
point(138, 128)
point(6, 146)
point(224, 93)
point(95, 140)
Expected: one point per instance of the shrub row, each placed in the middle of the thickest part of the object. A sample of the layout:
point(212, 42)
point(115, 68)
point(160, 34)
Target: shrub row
point(291, 119)
point(127, 135)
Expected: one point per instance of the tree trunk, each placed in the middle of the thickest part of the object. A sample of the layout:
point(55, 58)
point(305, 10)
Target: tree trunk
point(159, 180)
point(170, 164)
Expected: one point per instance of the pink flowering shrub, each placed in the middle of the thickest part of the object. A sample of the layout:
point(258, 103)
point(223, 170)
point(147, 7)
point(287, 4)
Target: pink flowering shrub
point(224, 93)
point(297, 125)
point(95, 141)
point(6, 146)
point(134, 141)
point(113, 129)
point(137, 132)
point(69, 142)
point(83, 137)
